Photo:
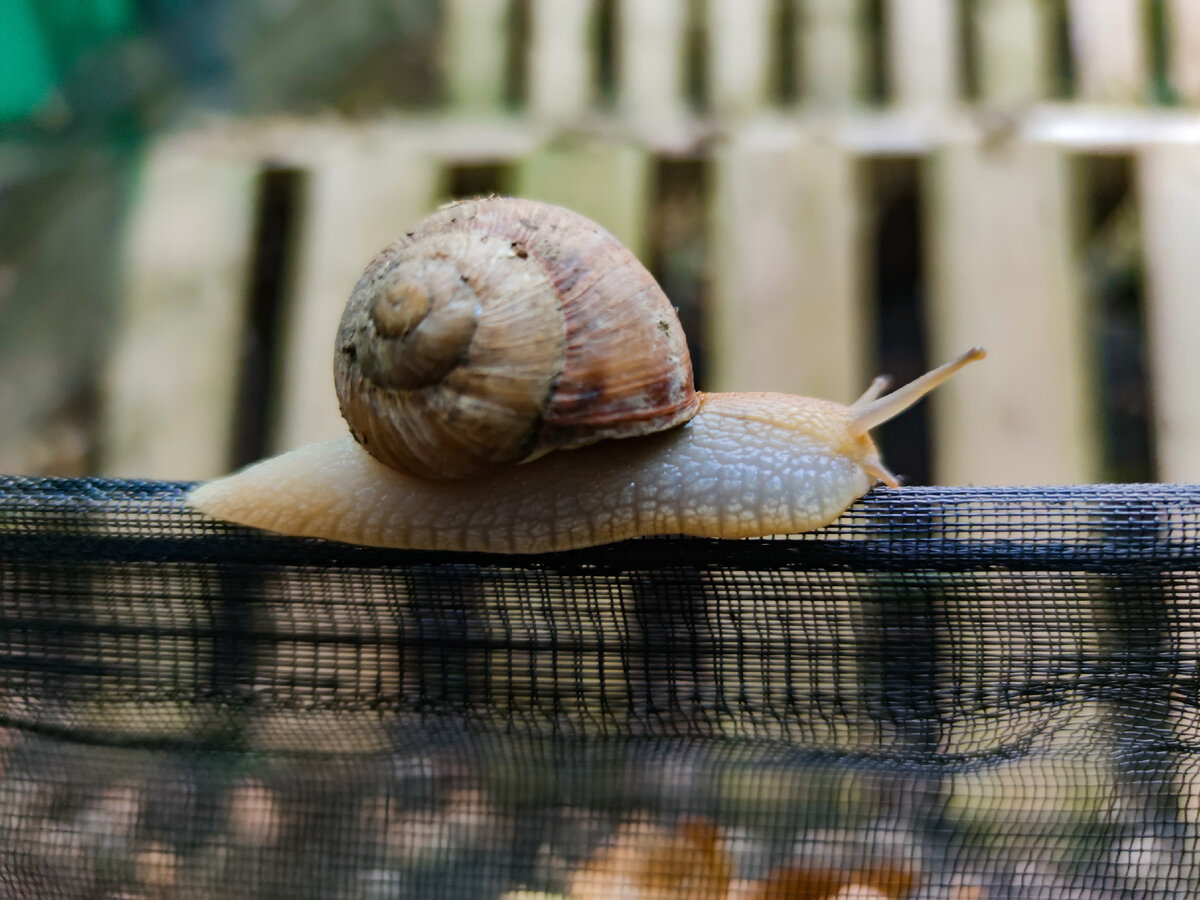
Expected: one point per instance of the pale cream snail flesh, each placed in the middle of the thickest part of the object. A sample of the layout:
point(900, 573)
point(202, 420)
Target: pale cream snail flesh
point(591, 433)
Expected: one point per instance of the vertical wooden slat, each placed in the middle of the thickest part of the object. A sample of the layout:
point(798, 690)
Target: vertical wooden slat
point(475, 40)
point(1169, 181)
point(362, 193)
point(922, 38)
point(171, 384)
point(739, 57)
point(1012, 41)
point(1183, 24)
point(1108, 38)
point(606, 182)
point(1004, 277)
point(651, 54)
point(562, 63)
point(786, 291)
point(831, 37)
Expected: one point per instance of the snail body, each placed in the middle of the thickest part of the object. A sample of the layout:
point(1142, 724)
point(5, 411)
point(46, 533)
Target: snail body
point(723, 473)
point(606, 442)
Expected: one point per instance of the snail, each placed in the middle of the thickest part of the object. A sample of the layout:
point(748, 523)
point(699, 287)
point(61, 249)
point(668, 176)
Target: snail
point(516, 382)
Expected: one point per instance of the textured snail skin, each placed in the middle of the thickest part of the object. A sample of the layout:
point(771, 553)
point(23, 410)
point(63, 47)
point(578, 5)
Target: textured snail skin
point(747, 465)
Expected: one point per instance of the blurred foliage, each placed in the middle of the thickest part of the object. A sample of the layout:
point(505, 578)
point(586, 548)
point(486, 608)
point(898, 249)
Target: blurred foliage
point(72, 65)
point(44, 42)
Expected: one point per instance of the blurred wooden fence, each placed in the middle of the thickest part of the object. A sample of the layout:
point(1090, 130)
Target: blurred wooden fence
point(781, 104)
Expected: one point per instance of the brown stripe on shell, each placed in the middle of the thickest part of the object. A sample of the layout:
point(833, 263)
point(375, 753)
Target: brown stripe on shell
point(627, 369)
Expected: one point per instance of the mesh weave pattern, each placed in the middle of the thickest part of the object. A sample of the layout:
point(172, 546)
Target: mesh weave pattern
point(950, 693)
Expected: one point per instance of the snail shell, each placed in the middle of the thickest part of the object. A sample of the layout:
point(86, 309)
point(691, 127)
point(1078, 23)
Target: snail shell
point(502, 329)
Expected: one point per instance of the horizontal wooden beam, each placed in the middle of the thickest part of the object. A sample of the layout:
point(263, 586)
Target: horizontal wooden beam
point(892, 132)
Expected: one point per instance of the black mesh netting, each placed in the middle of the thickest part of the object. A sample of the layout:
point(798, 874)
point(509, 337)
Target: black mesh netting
point(960, 694)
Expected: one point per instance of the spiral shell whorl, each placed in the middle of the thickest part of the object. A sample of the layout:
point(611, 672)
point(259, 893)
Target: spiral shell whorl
point(501, 329)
